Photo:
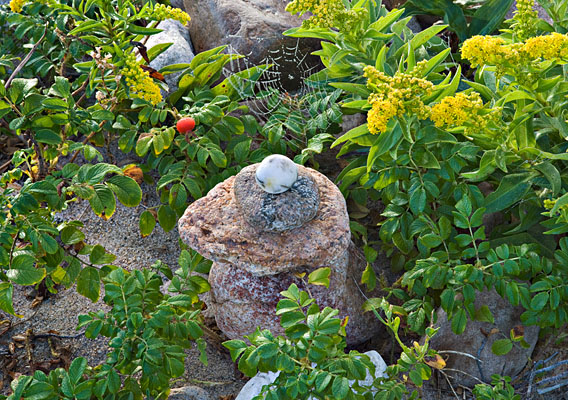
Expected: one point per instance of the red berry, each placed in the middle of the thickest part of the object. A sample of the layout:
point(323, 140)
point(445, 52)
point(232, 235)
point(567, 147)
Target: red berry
point(185, 124)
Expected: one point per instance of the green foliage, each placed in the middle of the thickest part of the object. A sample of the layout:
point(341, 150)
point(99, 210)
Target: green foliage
point(466, 18)
point(34, 248)
point(462, 193)
point(311, 360)
point(501, 389)
point(148, 333)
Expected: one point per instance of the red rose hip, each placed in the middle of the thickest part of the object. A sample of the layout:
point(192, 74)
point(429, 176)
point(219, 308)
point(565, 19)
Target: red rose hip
point(185, 125)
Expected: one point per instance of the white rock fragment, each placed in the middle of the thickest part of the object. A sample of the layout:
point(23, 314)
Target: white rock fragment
point(254, 386)
point(276, 174)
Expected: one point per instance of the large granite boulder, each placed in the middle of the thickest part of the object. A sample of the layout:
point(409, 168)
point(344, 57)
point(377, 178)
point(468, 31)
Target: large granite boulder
point(252, 265)
point(251, 28)
point(478, 339)
point(180, 52)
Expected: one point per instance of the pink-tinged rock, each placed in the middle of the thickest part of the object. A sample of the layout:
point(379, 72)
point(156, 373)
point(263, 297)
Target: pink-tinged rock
point(215, 227)
point(242, 301)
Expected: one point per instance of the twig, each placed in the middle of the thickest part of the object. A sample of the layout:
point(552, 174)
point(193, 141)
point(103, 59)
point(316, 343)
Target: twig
point(90, 136)
point(5, 165)
point(48, 335)
point(465, 373)
point(459, 353)
point(25, 60)
point(449, 384)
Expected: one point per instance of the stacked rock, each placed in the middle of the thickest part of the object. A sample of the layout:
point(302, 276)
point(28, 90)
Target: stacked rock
point(261, 241)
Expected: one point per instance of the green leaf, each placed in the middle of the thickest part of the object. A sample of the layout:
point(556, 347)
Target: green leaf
point(459, 322)
point(416, 377)
point(23, 271)
point(47, 136)
point(448, 298)
point(76, 369)
point(369, 278)
point(552, 175)
point(422, 37)
point(353, 133)
point(167, 217)
point(103, 202)
point(71, 235)
point(147, 223)
point(501, 347)
point(236, 348)
point(340, 387)
point(126, 189)
point(539, 301)
point(510, 191)
point(320, 277)
point(484, 314)
point(158, 49)
point(489, 17)
point(88, 283)
point(6, 303)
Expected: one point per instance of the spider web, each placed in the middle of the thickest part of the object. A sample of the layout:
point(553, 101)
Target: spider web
point(288, 76)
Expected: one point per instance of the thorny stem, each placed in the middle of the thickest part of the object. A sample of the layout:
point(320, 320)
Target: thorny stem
point(26, 59)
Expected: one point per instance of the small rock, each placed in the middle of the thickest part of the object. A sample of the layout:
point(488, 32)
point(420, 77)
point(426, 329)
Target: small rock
point(276, 174)
point(275, 212)
point(180, 52)
point(254, 386)
point(188, 393)
point(474, 342)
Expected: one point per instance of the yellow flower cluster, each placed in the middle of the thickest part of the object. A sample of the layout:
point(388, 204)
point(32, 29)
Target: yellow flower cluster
point(17, 5)
point(461, 110)
point(162, 12)
point(395, 96)
point(549, 204)
point(488, 50)
point(324, 12)
point(548, 47)
point(491, 50)
point(139, 81)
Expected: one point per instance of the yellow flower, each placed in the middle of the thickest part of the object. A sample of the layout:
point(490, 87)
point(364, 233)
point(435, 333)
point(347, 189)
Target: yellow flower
point(395, 96)
point(140, 83)
point(17, 5)
point(460, 110)
point(162, 12)
point(548, 47)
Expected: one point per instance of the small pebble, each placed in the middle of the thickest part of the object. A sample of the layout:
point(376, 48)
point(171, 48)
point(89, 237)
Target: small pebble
point(276, 174)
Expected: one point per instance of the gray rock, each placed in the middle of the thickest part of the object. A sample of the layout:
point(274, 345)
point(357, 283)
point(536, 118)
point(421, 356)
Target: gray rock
point(178, 4)
point(180, 52)
point(251, 28)
point(188, 393)
point(475, 342)
point(254, 386)
point(275, 212)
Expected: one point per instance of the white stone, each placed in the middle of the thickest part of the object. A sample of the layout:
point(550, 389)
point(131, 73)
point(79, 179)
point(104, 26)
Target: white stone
point(276, 174)
point(254, 386)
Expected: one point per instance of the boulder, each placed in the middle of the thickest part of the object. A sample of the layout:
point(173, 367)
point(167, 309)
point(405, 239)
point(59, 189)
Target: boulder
point(180, 52)
point(251, 28)
point(478, 339)
point(214, 226)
